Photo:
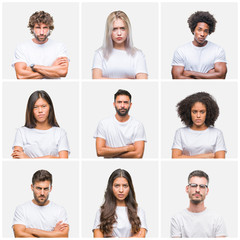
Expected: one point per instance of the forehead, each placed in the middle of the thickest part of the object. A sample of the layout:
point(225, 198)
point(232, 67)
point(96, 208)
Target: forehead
point(41, 101)
point(122, 98)
point(120, 180)
point(198, 180)
point(119, 23)
point(198, 105)
point(202, 25)
point(42, 184)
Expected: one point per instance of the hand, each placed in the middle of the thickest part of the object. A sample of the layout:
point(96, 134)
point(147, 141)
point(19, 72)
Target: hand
point(211, 70)
point(18, 154)
point(60, 226)
point(60, 61)
point(131, 148)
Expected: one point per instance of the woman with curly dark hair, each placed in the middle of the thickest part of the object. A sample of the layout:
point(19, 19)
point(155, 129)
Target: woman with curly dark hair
point(120, 216)
point(199, 139)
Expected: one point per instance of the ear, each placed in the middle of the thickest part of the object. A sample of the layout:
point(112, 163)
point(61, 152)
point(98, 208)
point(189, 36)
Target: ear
point(50, 188)
point(32, 187)
point(207, 191)
point(114, 104)
point(187, 189)
point(130, 105)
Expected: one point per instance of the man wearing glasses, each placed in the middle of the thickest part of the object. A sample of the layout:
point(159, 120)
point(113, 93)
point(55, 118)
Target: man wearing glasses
point(40, 217)
point(197, 221)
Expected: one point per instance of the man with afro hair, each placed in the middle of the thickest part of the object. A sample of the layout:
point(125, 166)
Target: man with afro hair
point(200, 59)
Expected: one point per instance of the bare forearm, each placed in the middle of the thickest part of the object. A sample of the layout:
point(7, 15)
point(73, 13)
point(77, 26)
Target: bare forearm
point(111, 151)
point(23, 234)
point(210, 75)
point(47, 234)
point(52, 71)
point(204, 155)
point(132, 154)
point(27, 73)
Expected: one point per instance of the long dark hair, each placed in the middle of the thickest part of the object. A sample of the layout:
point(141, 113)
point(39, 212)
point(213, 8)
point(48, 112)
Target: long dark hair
point(108, 209)
point(30, 121)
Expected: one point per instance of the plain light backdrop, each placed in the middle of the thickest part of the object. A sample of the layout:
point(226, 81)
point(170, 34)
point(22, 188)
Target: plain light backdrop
point(97, 104)
point(95, 176)
point(17, 180)
point(66, 30)
point(225, 93)
point(144, 21)
point(65, 98)
point(175, 31)
point(222, 197)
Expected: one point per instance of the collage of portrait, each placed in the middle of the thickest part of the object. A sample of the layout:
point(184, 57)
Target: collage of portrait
point(119, 119)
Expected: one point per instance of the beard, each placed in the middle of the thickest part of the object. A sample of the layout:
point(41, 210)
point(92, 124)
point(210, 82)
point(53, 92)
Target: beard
point(122, 111)
point(41, 40)
point(40, 202)
point(196, 201)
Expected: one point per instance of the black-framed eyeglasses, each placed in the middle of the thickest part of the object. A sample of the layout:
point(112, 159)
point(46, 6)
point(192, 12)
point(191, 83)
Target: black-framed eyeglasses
point(194, 185)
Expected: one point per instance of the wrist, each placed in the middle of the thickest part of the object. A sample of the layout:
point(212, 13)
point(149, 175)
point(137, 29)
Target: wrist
point(32, 67)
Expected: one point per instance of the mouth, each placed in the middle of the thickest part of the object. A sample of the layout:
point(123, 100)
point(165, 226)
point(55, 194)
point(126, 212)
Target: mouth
point(121, 195)
point(119, 38)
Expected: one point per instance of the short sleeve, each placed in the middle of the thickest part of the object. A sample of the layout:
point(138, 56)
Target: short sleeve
point(220, 57)
point(174, 228)
point(220, 143)
point(140, 133)
point(19, 217)
point(97, 60)
point(141, 215)
point(178, 59)
point(221, 230)
point(100, 131)
point(19, 56)
point(63, 144)
point(18, 141)
point(97, 220)
point(177, 142)
point(62, 215)
point(141, 66)
point(62, 52)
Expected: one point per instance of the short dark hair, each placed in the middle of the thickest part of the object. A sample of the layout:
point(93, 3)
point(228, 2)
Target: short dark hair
point(201, 16)
point(198, 173)
point(30, 121)
point(184, 108)
point(122, 92)
point(41, 176)
point(40, 17)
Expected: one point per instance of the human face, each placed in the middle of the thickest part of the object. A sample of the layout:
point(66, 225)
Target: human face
point(41, 32)
point(41, 111)
point(41, 192)
point(119, 34)
point(198, 115)
point(122, 105)
point(197, 194)
point(200, 34)
point(120, 190)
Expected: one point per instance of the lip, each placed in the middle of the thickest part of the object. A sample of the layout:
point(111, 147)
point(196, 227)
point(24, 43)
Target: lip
point(121, 195)
point(41, 115)
point(119, 38)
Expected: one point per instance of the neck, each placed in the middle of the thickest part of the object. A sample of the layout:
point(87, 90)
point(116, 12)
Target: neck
point(199, 128)
point(196, 207)
point(43, 126)
point(37, 42)
point(119, 46)
point(197, 44)
point(122, 118)
point(35, 202)
point(121, 203)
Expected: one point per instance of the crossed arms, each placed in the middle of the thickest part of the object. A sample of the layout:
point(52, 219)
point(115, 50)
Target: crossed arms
point(218, 72)
point(58, 69)
point(60, 231)
point(135, 150)
point(141, 234)
point(177, 153)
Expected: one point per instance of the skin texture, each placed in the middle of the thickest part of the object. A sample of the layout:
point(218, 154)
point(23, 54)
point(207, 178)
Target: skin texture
point(198, 115)
point(218, 72)
point(134, 150)
point(58, 69)
point(121, 191)
point(41, 191)
point(40, 112)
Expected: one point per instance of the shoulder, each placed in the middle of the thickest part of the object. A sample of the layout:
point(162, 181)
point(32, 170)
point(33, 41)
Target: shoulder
point(23, 206)
point(214, 45)
point(106, 121)
point(58, 130)
point(184, 47)
point(52, 42)
point(25, 44)
point(139, 53)
point(214, 130)
point(56, 206)
point(182, 130)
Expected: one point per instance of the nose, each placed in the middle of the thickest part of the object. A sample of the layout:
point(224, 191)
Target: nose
point(40, 109)
point(198, 114)
point(42, 192)
point(121, 189)
point(41, 31)
point(119, 32)
point(197, 188)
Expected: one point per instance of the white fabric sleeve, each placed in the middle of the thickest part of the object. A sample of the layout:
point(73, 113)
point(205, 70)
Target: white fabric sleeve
point(97, 60)
point(220, 143)
point(97, 220)
point(140, 134)
point(62, 215)
point(141, 215)
point(220, 228)
point(63, 142)
point(174, 228)
point(62, 52)
point(177, 142)
point(141, 66)
point(220, 56)
point(100, 131)
point(19, 56)
point(18, 141)
point(19, 217)
point(178, 59)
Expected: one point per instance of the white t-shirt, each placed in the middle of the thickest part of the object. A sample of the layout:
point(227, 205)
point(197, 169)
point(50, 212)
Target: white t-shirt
point(39, 143)
point(119, 134)
point(120, 64)
point(199, 59)
point(204, 224)
point(39, 54)
point(122, 228)
point(40, 217)
point(193, 142)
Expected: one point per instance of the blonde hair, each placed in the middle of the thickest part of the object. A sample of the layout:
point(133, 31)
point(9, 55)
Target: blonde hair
point(107, 46)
